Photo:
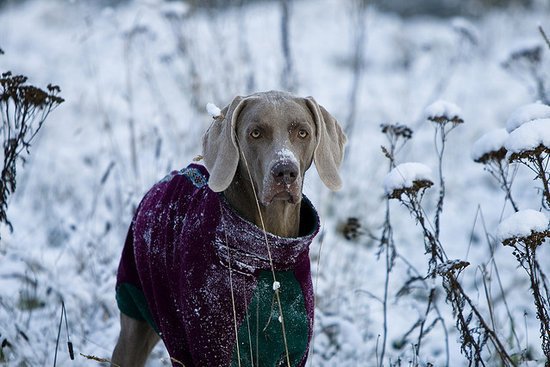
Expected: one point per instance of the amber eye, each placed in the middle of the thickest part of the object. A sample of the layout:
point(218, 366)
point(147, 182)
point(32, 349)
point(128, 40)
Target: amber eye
point(302, 134)
point(255, 133)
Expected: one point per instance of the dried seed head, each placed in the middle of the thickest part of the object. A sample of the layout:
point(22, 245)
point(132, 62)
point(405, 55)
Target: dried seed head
point(417, 187)
point(490, 147)
point(528, 153)
point(493, 156)
point(535, 239)
point(451, 266)
point(411, 177)
point(351, 229)
point(397, 130)
point(442, 112)
point(529, 227)
point(529, 140)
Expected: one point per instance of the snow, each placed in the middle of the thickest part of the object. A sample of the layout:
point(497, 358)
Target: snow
point(527, 113)
point(405, 175)
point(136, 61)
point(286, 155)
point(529, 136)
point(213, 110)
point(442, 109)
point(276, 285)
point(490, 142)
point(452, 265)
point(522, 224)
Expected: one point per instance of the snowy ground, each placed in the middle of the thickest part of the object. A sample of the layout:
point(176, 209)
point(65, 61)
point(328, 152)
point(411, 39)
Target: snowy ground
point(136, 79)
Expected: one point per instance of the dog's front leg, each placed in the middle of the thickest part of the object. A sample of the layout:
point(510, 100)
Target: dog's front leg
point(135, 342)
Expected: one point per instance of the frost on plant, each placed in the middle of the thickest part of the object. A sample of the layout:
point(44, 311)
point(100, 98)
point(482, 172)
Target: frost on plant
point(529, 140)
point(490, 147)
point(524, 231)
point(490, 151)
point(442, 111)
point(409, 177)
point(529, 144)
point(528, 226)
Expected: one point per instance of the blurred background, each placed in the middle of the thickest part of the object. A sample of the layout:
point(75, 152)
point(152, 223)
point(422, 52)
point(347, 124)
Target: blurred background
point(136, 76)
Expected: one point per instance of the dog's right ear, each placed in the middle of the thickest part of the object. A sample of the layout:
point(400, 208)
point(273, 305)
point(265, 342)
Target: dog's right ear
point(219, 146)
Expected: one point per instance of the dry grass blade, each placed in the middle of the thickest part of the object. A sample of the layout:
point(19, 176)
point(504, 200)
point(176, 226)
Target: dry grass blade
point(277, 295)
point(100, 360)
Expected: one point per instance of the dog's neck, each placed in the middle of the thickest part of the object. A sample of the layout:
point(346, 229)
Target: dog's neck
point(280, 217)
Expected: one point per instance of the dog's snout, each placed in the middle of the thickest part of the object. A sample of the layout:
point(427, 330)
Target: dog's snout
point(285, 172)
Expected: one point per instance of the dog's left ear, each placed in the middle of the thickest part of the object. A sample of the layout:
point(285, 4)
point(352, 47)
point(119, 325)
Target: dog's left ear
point(219, 146)
point(329, 150)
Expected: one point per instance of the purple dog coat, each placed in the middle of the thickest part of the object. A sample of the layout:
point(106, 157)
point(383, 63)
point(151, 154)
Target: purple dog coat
point(175, 275)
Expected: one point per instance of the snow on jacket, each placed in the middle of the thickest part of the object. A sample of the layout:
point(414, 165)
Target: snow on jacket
point(174, 274)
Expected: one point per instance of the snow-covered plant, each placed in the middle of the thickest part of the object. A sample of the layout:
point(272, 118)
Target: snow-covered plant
point(443, 112)
point(23, 110)
point(529, 144)
point(489, 150)
point(410, 179)
point(445, 116)
point(524, 231)
point(397, 135)
point(407, 183)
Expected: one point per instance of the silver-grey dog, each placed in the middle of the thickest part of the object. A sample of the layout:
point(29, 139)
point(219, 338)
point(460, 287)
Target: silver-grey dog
point(199, 272)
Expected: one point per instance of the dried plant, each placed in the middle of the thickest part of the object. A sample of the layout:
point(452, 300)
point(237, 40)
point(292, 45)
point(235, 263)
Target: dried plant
point(495, 163)
point(443, 122)
point(397, 135)
point(475, 332)
point(537, 160)
point(526, 63)
point(23, 110)
point(524, 249)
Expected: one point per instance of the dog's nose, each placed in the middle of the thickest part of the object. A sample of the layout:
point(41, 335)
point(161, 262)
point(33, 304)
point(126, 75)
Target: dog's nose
point(285, 172)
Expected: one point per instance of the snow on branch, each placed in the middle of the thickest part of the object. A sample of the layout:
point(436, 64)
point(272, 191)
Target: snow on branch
point(528, 138)
point(490, 146)
point(527, 113)
point(407, 176)
point(443, 111)
point(522, 224)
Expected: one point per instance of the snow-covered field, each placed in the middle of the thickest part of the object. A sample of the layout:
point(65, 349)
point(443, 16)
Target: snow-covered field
point(136, 79)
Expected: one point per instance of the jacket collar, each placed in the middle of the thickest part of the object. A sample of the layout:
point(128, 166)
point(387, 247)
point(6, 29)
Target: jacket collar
point(246, 242)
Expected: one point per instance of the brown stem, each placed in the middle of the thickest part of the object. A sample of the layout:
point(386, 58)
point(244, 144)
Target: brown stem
point(506, 186)
point(542, 175)
point(492, 335)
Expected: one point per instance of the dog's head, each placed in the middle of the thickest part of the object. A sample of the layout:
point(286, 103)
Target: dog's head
point(274, 137)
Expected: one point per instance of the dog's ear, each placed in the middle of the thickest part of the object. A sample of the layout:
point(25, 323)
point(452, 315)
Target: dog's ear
point(219, 146)
point(329, 150)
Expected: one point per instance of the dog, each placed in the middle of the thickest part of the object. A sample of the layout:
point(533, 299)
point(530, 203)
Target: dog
point(216, 260)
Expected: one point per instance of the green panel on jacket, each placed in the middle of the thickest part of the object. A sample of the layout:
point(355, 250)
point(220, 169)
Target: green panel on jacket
point(260, 334)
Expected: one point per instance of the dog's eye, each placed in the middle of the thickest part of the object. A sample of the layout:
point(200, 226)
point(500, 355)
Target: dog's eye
point(302, 134)
point(255, 133)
